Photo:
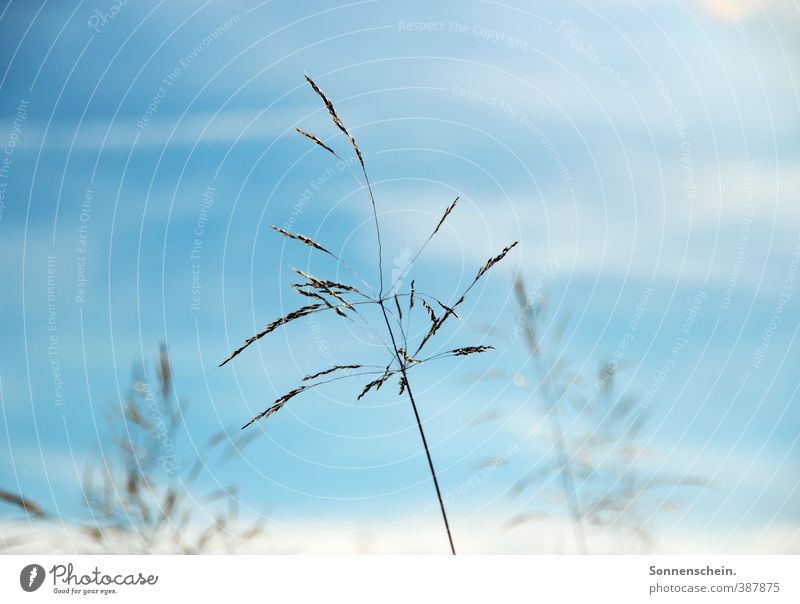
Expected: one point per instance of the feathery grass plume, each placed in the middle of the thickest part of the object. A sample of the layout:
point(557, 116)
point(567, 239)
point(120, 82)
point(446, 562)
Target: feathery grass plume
point(322, 299)
point(399, 310)
point(329, 287)
point(487, 417)
point(28, 506)
point(143, 503)
point(492, 261)
point(311, 243)
point(437, 324)
point(540, 473)
point(277, 405)
point(236, 444)
point(295, 314)
point(530, 311)
point(389, 335)
point(431, 312)
point(300, 288)
point(164, 370)
point(330, 370)
point(316, 140)
point(467, 350)
point(449, 209)
point(376, 383)
point(143, 499)
point(336, 119)
point(523, 518)
point(307, 240)
point(448, 309)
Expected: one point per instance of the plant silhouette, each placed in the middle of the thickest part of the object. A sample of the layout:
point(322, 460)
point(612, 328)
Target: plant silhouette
point(348, 301)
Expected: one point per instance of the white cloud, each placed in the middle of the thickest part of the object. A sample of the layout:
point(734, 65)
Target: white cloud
point(552, 536)
point(163, 129)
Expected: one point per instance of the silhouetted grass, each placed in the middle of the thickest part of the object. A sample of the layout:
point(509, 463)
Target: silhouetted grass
point(346, 299)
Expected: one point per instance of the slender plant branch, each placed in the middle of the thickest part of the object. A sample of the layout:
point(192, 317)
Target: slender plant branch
point(565, 470)
point(377, 230)
point(402, 363)
point(562, 455)
point(430, 461)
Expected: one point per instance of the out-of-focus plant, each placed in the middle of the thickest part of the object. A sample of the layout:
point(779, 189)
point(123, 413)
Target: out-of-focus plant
point(142, 495)
point(594, 458)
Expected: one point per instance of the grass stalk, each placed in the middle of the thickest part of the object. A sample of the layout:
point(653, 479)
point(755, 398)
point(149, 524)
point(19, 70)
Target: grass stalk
point(337, 297)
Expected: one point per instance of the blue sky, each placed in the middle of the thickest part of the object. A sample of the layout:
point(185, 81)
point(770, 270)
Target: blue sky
point(647, 146)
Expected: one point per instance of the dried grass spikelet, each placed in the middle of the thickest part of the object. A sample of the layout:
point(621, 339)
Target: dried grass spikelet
point(481, 272)
point(329, 287)
point(397, 305)
point(295, 314)
point(276, 406)
point(376, 383)
point(448, 309)
point(25, 504)
point(492, 261)
point(524, 518)
point(164, 370)
point(336, 120)
point(468, 350)
point(447, 212)
point(299, 288)
point(407, 358)
point(431, 312)
point(330, 370)
point(307, 240)
point(316, 140)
